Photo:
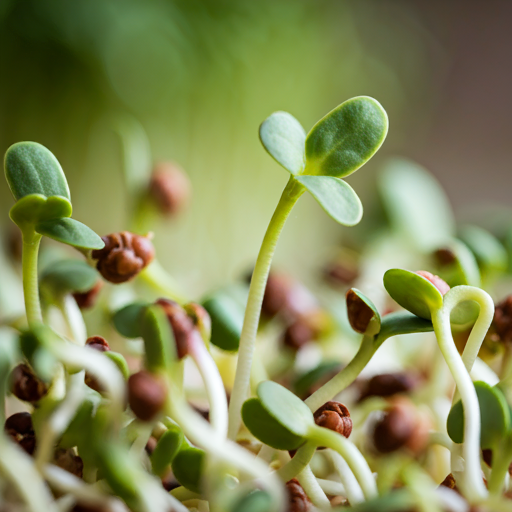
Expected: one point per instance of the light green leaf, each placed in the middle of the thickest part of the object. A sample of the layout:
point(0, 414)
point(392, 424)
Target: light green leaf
point(488, 250)
point(128, 320)
point(35, 208)
point(346, 138)
point(336, 197)
point(119, 360)
point(158, 337)
point(187, 467)
point(416, 204)
point(284, 138)
point(70, 232)
point(166, 449)
point(65, 276)
point(30, 168)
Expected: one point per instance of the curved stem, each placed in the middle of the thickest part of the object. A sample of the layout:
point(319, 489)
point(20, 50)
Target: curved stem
point(474, 485)
point(157, 278)
point(212, 382)
point(299, 462)
point(502, 456)
point(30, 278)
point(353, 490)
point(345, 377)
point(291, 194)
point(353, 457)
point(313, 489)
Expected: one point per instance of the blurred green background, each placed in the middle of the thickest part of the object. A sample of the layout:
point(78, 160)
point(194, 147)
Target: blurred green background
point(201, 75)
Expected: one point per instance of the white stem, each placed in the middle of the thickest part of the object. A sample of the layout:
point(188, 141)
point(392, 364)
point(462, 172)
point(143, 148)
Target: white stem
point(212, 382)
point(473, 482)
point(266, 453)
point(59, 420)
point(312, 488)
point(353, 490)
point(17, 467)
point(332, 488)
point(441, 439)
point(74, 320)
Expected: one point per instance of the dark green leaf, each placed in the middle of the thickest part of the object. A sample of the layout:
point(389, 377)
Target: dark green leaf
point(494, 415)
point(119, 360)
point(35, 208)
point(67, 276)
point(160, 349)
point(128, 320)
point(284, 138)
point(362, 313)
point(187, 467)
point(346, 138)
point(266, 428)
point(33, 344)
point(336, 197)
point(488, 250)
point(416, 204)
point(166, 449)
point(317, 375)
point(255, 501)
point(227, 316)
point(413, 292)
point(396, 501)
point(30, 168)
point(71, 232)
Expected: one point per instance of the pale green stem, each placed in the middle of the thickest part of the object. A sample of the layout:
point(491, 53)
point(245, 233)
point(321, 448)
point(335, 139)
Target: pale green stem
point(441, 439)
point(501, 457)
point(353, 457)
point(157, 278)
point(506, 363)
point(212, 382)
point(473, 484)
point(312, 488)
point(30, 278)
point(332, 488)
point(74, 319)
point(18, 468)
point(183, 494)
point(353, 490)
point(291, 194)
point(266, 453)
point(345, 377)
point(300, 460)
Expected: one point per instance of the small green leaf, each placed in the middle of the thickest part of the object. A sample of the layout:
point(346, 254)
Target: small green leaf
point(70, 232)
point(317, 375)
point(128, 320)
point(336, 197)
point(346, 138)
point(30, 168)
point(255, 501)
point(33, 344)
point(416, 204)
point(457, 264)
point(488, 250)
point(284, 138)
point(159, 343)
point(187, 467)
point(166, 450)
point(34, 208)
point(362, 313)
point(119, 360)
point(266, 428)
point(227, 316)
point(494, 415)
point(66, 276)
point(413, 292)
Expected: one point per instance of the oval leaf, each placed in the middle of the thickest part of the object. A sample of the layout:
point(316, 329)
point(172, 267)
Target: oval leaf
point(284, 138)
point(413, 292)
point(488, 250)
point(362, 313)
point(346, 138)
point(336, 197)
point(67, 276)
point(158, 338)
point(268, 429)
point(187, 467)
point(70, 232)
point(255, 501)
point(457, 264)
point(494, 415)
point(166, 450)
point(34, 208)
point(30, 168)
point(128, 320)
point(119, 360)
point(227, 316)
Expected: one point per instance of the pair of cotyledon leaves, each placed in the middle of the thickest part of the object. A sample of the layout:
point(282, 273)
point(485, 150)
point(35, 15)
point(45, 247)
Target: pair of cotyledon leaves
point(43, 201)
point(339, 144)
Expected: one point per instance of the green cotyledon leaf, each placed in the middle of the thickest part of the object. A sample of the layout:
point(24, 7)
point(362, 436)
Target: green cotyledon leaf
point(346, 138)
point(70, 232)
point(30, 168)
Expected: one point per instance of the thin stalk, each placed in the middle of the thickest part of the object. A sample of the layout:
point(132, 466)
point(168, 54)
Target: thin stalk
point(506, 362)
point(312, 488)
point(266, 453)
point(30, 278)
point(212, 382)
point(353, 457)
point(345, 377)
point(474, 485)
point(500, 464)
point(353, 490)
point(291, 194)
point(157, 278)
point(331, 487)
point(73, 319)
point(299, 462)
